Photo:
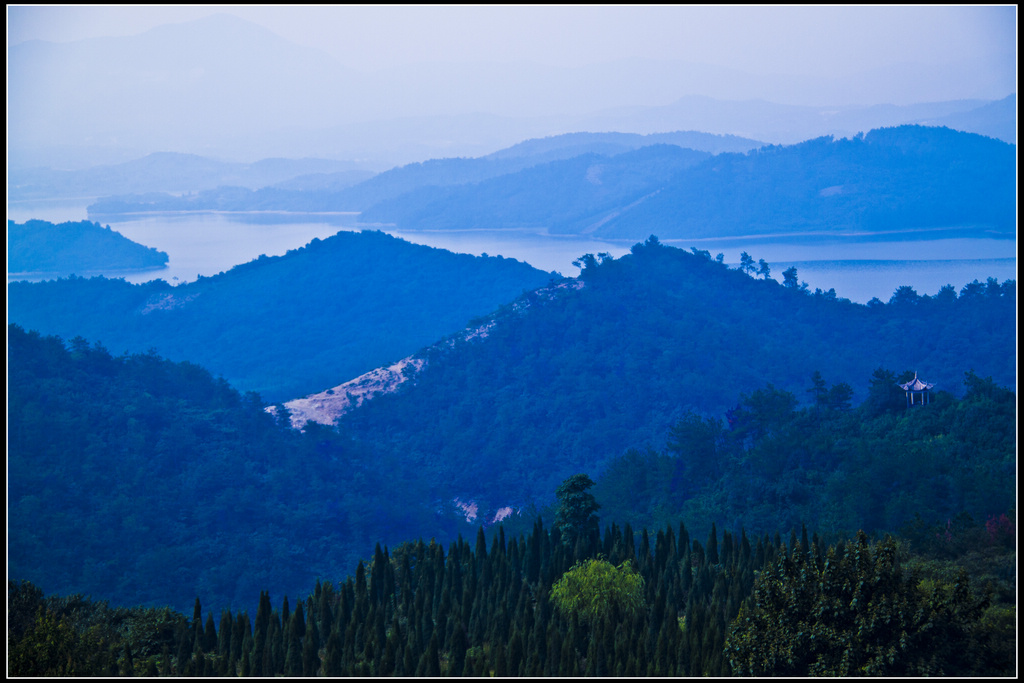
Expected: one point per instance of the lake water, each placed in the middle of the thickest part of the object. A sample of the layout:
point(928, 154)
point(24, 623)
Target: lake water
point(210, 243)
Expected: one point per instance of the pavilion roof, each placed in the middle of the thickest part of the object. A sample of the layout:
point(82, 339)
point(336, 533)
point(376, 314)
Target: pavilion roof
point(916, 385)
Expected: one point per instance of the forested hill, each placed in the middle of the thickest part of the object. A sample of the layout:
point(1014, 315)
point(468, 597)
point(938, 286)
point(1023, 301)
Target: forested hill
point(570, 382)
point(289, 325)
point(74, 247)
point(569, 196)
point(145, 481)
point(910, 179)
point(137, 480)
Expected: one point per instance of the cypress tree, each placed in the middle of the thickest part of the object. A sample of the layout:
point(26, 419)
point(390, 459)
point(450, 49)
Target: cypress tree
point(274, 652)
point(238, 631)
point(500, 661)
point(388, 660)
point(429, 664)
point(332, 663)
point(660, 552)
point(408, 662)
point(210, 635)
point(457, 650)
point(360, 587)
point(645, 552)
point(728, 554)
point(567, 662)
point(516, 654)
point(745, 552)
point(629, 543)
point(311, 648)
point(535, 553)
point(185, 645)
point(197, 617)
point(554, 650)
point(224, 635)
point(712, 549)
point(499, 540)
point(298, 621)
point(698, 554)
point(293, 653)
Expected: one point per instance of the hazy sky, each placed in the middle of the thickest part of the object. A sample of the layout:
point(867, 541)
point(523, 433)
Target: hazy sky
point(797, 40)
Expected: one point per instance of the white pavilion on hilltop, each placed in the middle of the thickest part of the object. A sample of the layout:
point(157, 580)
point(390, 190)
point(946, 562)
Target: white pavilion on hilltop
point(917, 391)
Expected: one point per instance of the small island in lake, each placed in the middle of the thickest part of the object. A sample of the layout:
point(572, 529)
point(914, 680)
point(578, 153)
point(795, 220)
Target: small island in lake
point(38, 246)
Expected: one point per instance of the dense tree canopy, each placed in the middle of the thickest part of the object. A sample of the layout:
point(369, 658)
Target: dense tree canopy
point(852, 611)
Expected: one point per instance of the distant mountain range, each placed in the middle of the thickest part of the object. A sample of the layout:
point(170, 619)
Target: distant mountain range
point(908, 182)
point(289, 325)
point(172, 173)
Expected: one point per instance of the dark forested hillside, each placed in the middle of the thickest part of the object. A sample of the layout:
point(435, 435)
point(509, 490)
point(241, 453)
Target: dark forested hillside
point(150, 482)
point(140, 481)
point(544, 604)
point(895, 180)
point(290, 325)
point(572, 381)
point(774, 464)
point(68, 248)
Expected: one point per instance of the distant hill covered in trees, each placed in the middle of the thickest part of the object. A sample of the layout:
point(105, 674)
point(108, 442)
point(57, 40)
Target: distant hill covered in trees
point(288, 325)
point(74, 247)
point(910, 182)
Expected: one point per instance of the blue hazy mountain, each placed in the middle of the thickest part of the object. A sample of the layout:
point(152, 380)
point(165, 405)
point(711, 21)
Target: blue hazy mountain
point(172, 173)
point(996, 120)
point(67, 248)
point(566, 196)
point(912, 180)
point(336, 191)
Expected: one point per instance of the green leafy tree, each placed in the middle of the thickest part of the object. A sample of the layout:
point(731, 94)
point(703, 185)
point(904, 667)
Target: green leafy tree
point(577, 507)
point(853, 613)
point(591, 590)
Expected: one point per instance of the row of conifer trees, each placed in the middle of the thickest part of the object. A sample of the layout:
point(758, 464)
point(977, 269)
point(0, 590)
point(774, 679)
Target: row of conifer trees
point(474, 610)
point(478, 611)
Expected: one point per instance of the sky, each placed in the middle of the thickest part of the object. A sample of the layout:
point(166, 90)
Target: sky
point(511, 72)
point(762, 40)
